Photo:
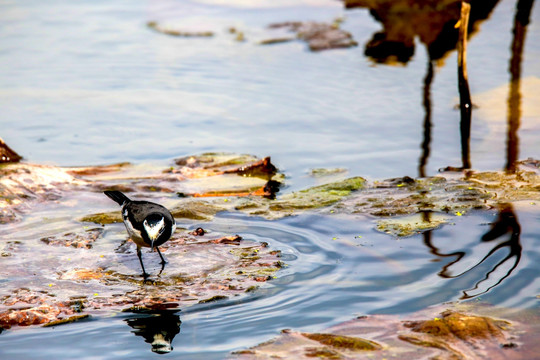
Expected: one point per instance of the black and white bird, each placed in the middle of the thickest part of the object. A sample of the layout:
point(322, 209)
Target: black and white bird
point(147, 223)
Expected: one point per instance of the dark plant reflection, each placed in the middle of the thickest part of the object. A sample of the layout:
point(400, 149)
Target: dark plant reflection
point(521, 20)
point(505, 225)
point(434, 25)
point(426, 102)
point(432, 22)
point(158, 329)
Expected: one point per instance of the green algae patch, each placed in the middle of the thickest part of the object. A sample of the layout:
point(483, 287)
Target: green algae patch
point(343, 342)
point(323, 172)
point(403, 226)
point(196, 210)
point(103, 218)
point(451, 193)
point(318, 196)
point(451, 331)
point(185, 209)
point(216, 161)
point(67, 320)
point(463, 326)
point(213, 299)
point(323, 353)
point(294, 203)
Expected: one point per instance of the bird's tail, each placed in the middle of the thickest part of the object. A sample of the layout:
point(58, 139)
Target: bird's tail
point(117, 196)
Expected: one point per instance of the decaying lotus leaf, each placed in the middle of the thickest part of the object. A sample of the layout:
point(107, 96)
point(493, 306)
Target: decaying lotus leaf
point(216, 162)
point(196, 209)
point(402, 226)
point(443, 332)
point(87, 265)
point(295, 203)
point(24, 307)
point(321, 172)
point(439, 198)
point(85, 240)
point(8, 155)
point(167, 30)
point(465, 327)
point(319, 36)
point(103, 218)
point(22, 186)
point(202, 267)
point(289, 204)
point(82, 274)
point(343, 342)
point(37, 315)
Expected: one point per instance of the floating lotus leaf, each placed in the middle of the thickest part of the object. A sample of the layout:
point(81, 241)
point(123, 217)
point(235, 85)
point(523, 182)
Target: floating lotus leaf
point(452, 331)
point(84, 269)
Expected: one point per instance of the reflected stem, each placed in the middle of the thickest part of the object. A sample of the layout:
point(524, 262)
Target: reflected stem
point(521, 20)
point(465, 103)
point(426, 102)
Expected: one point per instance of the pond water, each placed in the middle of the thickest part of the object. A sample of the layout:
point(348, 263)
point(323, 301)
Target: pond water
point(337, 269)
point(87, 83)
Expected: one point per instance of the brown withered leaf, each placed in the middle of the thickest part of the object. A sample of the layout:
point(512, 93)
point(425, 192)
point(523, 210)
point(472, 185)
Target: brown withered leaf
point(449, 332)
point(8, 155)
point(77, 240)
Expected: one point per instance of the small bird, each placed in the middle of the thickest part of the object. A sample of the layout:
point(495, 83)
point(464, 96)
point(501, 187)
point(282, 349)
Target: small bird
point(148, 224)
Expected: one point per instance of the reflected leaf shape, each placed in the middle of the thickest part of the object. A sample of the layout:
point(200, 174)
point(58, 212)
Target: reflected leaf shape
point(432, 22)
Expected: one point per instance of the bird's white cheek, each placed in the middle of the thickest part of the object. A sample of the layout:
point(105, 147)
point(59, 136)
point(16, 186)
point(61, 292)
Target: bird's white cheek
point(154, 231)
point(132, 231)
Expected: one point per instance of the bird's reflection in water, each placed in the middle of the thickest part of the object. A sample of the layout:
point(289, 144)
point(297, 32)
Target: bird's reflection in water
point(507, 230)
point(158, 329)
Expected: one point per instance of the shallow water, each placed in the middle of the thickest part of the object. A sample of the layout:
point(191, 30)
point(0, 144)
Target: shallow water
point(89, 83)
point(337, 269)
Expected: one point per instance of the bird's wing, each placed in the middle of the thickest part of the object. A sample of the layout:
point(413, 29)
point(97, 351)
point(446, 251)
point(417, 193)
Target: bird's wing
point(139, 210)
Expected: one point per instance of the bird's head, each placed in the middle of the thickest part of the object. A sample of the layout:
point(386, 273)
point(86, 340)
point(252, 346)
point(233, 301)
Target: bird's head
point(154, 225)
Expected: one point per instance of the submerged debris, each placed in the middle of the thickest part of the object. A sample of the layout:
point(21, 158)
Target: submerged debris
point(84, 240)
point(321, 172)
point(175, 32)
point(319, 36)
point(23, 186)
point(402, 226)
point(279, 40)
point(343, 342)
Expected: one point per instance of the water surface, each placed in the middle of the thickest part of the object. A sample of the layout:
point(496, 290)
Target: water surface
point(87, 83)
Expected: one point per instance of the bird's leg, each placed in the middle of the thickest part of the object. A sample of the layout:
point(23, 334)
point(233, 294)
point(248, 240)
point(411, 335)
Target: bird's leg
point(163, 261)
point(144, 274)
